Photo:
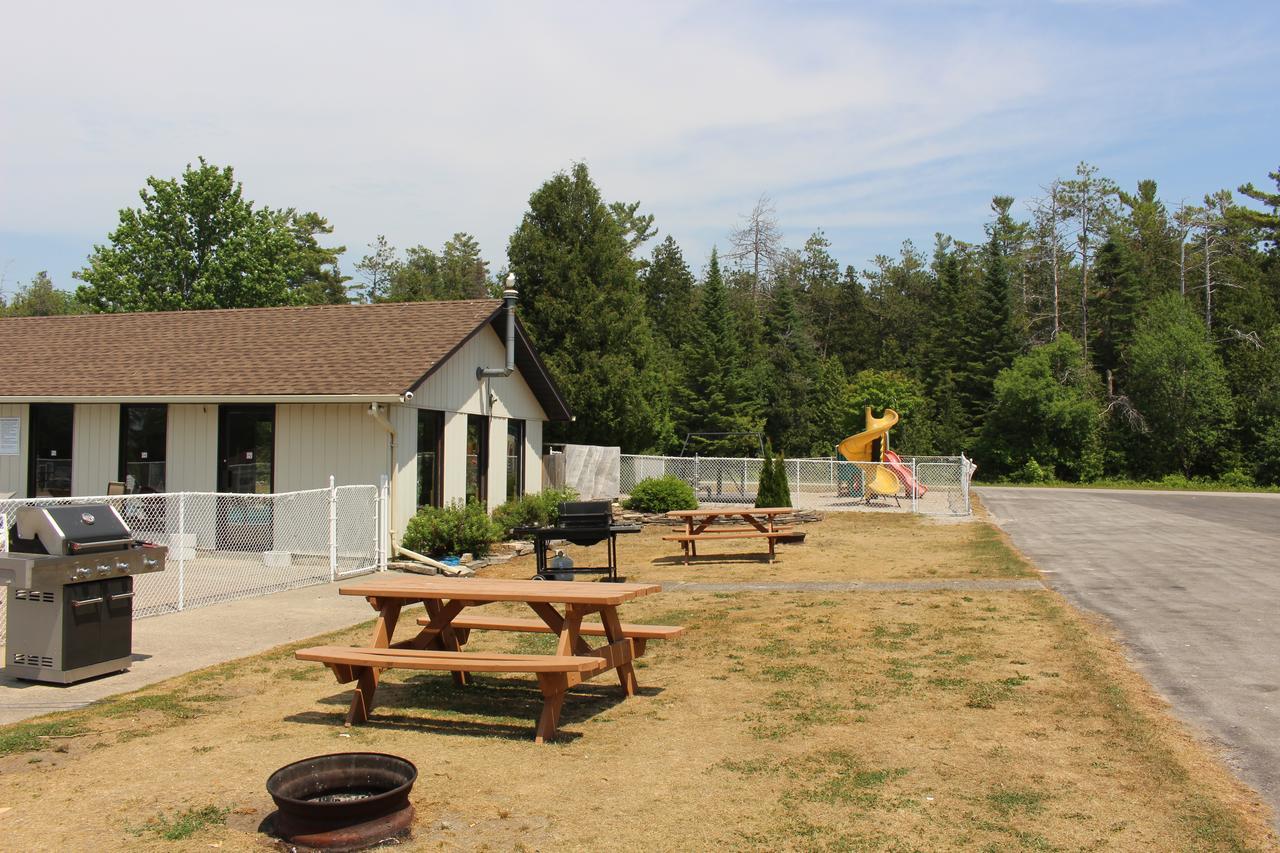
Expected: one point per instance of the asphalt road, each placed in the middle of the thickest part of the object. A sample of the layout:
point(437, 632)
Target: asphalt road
point(1192, 583)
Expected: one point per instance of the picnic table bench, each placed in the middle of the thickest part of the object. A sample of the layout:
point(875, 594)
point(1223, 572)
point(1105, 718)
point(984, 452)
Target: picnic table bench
point(761, 523)
point(438, 644)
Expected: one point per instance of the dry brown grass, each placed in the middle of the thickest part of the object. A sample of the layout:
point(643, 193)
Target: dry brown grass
point(924, 720)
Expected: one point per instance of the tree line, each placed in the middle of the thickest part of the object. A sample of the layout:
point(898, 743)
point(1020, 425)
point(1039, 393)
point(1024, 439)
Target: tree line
point(1102, 333)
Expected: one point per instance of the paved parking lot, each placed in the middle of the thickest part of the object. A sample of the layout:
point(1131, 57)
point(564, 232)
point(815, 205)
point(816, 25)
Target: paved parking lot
point(1191, 580)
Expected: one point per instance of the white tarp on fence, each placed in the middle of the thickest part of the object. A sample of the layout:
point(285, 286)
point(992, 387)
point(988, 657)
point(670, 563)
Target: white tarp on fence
point(932, 485)
point(592, 471)
point(226, 546)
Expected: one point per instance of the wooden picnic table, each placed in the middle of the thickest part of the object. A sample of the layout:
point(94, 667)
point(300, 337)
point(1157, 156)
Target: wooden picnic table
point(760, 523)
point(438, 644)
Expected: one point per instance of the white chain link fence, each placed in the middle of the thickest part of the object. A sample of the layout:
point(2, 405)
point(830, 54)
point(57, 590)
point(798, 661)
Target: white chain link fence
point(931, 485)
point(227, 546)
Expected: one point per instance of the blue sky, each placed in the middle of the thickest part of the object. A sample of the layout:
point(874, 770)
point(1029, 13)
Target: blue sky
point(875, 122)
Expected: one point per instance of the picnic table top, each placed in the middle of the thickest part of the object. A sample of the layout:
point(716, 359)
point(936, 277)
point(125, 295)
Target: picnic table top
point(731, 510)
point(422, 587)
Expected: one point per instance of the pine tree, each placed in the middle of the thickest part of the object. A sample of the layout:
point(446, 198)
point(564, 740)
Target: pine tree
point(668, 288)
point(793, 369)
point(989, 343)
point(580, 300)
point(715, 394)
point(1117, 277)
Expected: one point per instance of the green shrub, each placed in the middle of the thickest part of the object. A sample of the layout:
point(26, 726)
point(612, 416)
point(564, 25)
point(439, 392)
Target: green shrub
point(661, 494)
point(451, 530)
point(1032, 472)
point(1236, 479)
point(541, 509)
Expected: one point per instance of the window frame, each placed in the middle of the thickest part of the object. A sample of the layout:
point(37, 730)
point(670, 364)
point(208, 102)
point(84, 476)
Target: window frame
point(124, 433)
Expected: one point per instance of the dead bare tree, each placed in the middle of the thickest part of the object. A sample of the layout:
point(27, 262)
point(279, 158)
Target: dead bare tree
point(1090, 201)
point(1048, 215)
point(758, 242)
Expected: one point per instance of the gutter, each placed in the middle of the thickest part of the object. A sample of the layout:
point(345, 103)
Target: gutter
point(379, 414)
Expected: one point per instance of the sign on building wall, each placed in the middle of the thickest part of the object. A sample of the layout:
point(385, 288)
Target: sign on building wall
point(10, 432)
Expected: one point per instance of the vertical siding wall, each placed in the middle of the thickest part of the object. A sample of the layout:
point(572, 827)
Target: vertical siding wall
point(95, 448)
point(191, 448)
point(497, 472)
point(533, 456)
point(455, 457)
point(13, 469)
point(314, 440)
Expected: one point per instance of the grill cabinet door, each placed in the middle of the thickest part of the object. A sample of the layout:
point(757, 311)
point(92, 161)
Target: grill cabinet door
point(82, 617)
point(117, 627)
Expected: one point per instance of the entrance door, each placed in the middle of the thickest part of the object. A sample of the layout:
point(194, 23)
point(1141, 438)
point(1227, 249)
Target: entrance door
point(246, 466)
point(49, 471)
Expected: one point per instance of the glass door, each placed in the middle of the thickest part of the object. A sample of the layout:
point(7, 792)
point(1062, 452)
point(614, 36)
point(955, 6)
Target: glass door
point(49, 474)
point(246, 466)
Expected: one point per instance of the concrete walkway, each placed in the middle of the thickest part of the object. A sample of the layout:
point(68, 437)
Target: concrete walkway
point(169, 645)
point(1192, 583)
point(963, 585)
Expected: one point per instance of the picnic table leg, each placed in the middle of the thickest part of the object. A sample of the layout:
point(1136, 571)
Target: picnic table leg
point(362, 701)
point(554, 685)
point(367, 677)
point(448, 639)
point(613, 631)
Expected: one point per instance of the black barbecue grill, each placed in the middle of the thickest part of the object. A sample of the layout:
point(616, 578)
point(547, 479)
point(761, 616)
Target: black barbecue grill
point(68, 578)
point(581, 523)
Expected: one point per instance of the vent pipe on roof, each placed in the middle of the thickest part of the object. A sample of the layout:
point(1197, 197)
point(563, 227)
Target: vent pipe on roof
point(509, 298)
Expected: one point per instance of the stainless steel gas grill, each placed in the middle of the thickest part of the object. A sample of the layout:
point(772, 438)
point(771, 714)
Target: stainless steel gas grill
point(68, 578)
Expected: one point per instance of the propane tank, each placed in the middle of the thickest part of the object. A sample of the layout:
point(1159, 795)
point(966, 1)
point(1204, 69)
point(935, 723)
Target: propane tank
point(561, 566)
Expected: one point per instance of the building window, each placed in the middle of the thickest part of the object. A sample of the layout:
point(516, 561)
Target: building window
point(430, 441)
point(143, 430)
point(49, 471)
point(477, 458)
point(515, 459)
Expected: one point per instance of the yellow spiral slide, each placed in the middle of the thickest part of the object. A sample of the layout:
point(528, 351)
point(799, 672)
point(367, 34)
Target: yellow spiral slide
point(891, 475)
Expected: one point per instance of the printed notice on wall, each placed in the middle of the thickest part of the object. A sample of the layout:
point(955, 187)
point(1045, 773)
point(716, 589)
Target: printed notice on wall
point(10, 430)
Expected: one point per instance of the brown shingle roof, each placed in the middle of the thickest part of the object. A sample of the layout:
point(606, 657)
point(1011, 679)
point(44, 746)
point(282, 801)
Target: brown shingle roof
point(372, 350)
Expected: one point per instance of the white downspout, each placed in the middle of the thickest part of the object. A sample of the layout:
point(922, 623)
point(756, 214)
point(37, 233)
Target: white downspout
point(376, 412)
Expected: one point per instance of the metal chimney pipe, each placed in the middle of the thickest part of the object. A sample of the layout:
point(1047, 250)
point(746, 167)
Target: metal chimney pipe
point(509, 299)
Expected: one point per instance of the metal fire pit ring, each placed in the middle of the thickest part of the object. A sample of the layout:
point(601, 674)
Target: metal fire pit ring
point(343, 801)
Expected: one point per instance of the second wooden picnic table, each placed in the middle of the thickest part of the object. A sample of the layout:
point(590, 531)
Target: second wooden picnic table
point(438, 644)
point(761, 523)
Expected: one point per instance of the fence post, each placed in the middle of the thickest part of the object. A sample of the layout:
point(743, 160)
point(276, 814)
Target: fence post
point(915, 487)
point(384, 525)
point(333, 529)
point(964, 482)
point(182, 550)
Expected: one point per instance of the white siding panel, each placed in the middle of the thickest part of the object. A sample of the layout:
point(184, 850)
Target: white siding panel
point(95, 448)
point(405, 420)
point(314, 440)
point(13, 469)
point(191, 448)
point(532, 456)
point(454, 487)
point(497, 462)
point(455, 388)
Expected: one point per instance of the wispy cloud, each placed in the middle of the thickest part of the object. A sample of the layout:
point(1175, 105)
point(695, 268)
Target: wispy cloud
point(419, 120)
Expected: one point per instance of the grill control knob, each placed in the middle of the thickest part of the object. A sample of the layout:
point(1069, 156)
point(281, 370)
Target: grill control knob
point(123, 565)
point(104, 568)
point(83, 571)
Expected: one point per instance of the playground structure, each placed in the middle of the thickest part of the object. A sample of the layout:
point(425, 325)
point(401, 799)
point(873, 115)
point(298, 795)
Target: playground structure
point(891, 478)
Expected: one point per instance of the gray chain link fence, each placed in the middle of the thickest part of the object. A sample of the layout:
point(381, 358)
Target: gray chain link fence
point(228, 546)
point(930, 485)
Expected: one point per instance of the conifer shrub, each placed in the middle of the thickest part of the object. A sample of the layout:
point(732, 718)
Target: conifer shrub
point(452, 530)
point(661, 494)
point(773, 490)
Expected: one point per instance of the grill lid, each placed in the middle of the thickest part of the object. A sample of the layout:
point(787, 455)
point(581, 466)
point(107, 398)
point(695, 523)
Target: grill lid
point(74, 528)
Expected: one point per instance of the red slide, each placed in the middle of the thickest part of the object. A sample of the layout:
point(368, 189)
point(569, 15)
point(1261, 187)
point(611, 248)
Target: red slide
point(894, 463)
